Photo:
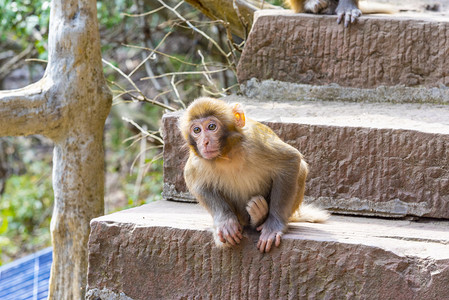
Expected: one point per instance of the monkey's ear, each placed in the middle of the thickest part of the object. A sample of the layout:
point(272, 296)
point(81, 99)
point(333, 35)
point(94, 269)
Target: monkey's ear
point(239, 115)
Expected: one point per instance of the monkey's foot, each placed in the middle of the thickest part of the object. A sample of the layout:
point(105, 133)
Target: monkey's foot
point(257, 209)
point(350, 13)
point(229, 231)
point(315, 6)
point(267, 238)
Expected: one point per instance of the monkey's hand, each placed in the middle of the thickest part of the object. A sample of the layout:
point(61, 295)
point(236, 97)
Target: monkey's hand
point(269, 234)
point(229, 231)
point(349, 11)
point(315, 6)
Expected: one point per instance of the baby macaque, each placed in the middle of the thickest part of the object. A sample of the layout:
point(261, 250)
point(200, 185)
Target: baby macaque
point(243, 174)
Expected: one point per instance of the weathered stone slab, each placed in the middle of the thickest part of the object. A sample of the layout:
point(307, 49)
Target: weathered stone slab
point(267, 90)
point(164, 250)
point(385, 51)
point(365, 158)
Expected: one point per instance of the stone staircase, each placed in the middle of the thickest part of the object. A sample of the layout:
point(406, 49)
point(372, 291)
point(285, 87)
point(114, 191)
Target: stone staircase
point(367, 106)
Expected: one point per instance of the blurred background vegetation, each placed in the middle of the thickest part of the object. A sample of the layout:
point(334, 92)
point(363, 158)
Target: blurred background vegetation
point(151, 54)
point(158, 56)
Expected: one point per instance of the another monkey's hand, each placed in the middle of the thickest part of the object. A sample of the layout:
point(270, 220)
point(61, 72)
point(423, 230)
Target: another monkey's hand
point(349, 11)
point(315, 6)
point(268, 236)
point(229, 231)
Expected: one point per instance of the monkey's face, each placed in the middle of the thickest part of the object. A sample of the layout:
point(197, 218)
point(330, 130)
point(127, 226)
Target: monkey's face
point(206, 136)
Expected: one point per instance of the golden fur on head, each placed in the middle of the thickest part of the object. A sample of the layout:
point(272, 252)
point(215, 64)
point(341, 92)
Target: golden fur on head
point(205, 107)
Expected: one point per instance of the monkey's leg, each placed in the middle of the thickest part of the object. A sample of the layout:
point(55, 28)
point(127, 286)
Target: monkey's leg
point(315, 6)
point(257, 209)
point(349, 9)
point(283, 196)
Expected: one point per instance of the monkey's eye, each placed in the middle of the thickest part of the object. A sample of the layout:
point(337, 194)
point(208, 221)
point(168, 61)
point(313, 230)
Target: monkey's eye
point(196, 130)
point(212, 126)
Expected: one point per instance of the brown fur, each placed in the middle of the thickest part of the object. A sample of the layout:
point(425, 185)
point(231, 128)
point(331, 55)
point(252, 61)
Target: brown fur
point(253, 163)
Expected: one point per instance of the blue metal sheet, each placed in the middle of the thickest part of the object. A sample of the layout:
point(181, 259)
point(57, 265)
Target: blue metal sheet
point(26, 278)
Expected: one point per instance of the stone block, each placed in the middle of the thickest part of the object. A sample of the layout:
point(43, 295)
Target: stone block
point(373, 159)
point(393, 53)
point(165, 250)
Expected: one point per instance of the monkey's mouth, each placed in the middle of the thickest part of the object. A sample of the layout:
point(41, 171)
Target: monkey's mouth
point(210, 154)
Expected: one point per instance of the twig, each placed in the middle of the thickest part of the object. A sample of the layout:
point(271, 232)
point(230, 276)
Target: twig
point(194, 28)
point(242, 20)
point(151, 55)
point(219, 94)
point(142, 96)
point(155, 158)
point(178, 98)
point(36, 60)
point(143, 131)
point(205, 68)
point(184, 73)
point(144, 14)
point(9, 65)
point(141, 156)
point(171, 57)
point(142, 152)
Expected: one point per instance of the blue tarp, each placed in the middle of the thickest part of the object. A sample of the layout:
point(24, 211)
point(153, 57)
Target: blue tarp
point(26, 278)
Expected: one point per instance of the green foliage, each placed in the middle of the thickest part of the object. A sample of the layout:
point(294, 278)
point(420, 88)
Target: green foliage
point(20, 20)
point(277, 2)
point(122, 151)
point(26, 205)
point(108, 12)
point(25, 211)
point(151, 186)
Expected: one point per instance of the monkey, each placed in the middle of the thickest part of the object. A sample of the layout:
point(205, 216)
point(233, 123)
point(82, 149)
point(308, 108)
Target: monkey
point(349, 10)
point(243, 174)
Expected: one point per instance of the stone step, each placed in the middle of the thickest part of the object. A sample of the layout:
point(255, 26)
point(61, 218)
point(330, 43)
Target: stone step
point(379, 58)
point(165, 250)
point(373, 159)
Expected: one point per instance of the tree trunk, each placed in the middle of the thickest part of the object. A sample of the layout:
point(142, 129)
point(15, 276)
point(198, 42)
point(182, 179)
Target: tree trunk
point(69, 105)
point(238, 14)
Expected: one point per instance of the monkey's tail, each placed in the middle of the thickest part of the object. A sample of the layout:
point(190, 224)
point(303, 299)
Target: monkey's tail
point(377, 8)
point(309, 213)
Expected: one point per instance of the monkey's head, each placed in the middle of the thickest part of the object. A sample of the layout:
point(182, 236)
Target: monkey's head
point(212, 127)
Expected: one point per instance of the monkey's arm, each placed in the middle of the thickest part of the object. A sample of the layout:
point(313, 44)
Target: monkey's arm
point(226, 224)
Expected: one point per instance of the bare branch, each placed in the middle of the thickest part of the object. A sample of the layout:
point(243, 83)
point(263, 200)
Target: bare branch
point(175, 90)
point(143, 131)
point(141, 97)
point(151, 55)
point(195, 29)
point(185, 73)
point(16, 61)
point(27, 111)
point(144, 14)
point(169, 56)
